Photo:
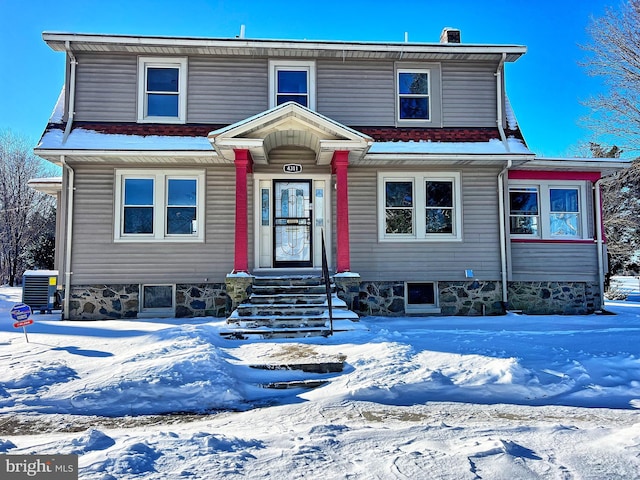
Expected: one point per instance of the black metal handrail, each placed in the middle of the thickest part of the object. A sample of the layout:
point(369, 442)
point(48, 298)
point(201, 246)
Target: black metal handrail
point(327, 282)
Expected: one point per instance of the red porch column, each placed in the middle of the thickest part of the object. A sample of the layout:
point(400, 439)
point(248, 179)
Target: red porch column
point(340, 163)
point(241, 256)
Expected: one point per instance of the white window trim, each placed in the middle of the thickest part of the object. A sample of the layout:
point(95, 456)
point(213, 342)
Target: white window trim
point(544, 213)
point(421, 308)
point(413, 120)
point(164, 62)
point(419, 220)
point(155, 312)
point(160, 205)
point(309, 66)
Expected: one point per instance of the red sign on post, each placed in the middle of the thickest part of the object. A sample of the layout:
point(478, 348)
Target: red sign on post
point(23, 323)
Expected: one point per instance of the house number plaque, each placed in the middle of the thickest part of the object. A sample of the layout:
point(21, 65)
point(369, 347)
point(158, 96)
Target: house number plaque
point(292, 168)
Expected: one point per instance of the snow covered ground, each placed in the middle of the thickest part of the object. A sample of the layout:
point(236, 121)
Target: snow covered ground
point(512, 397)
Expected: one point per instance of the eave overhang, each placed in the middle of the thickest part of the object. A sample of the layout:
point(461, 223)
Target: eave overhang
point(163, 45)
point(128, 156)
point(606, 166)
point(289, 124)
point(50, 185)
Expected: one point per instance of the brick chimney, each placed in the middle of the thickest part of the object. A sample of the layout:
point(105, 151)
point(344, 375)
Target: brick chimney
point(450, 35)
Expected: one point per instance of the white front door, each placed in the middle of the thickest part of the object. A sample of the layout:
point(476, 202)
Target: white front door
point(291, 216)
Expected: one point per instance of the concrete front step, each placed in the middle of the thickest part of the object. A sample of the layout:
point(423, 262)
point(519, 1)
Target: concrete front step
point(289, 289)
point(291, 280)
point(239, 333)
point(337, 314)
point(288, 307)
point(306, 299)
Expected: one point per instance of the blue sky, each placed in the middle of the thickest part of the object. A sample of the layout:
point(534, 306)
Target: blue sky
point(546, 86)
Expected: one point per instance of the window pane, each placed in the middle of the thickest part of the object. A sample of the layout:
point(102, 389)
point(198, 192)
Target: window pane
point(157, 296)
point(399, 221)
point(138, 191)
point(299, 99)
point(413, 83)
point(159, 105)
point(290, 81)
point(162, 79)
point(439, 194)
point(524, 225)
point(138, 220)
point(181, 220)
point(182, 191)
point(524, 202)
point(399, 194)
point(421, 294)
point(564, 224)
point(439, 220)
point(563, 200)
point(414, 108)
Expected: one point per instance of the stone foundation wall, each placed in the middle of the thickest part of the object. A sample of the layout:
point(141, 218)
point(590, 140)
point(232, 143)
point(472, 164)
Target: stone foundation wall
point(563, 298)
point(104, 302)
point(475, 298)
point(204, 300)
point(471, 298)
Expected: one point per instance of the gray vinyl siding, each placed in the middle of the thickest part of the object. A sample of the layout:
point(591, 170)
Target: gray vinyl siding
point(554, 262)
point(479, 250)
point(226, 90)
point(97, 259)
point(469, 94)
point(356, 93)
point(106, 88)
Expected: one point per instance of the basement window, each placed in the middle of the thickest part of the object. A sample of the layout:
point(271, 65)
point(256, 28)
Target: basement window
point(157, 300)
point(421, 297)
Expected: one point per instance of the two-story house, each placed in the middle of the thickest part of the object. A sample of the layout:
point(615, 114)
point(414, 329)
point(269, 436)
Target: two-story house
point(193, 166)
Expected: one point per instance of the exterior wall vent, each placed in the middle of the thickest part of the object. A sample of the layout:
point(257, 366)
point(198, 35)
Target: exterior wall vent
point(450, 35)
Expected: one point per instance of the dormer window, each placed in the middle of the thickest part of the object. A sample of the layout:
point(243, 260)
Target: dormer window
point(162, 91)
point(292, 81)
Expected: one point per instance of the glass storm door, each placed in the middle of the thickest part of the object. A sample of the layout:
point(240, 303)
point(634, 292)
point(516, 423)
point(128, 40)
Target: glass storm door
point(292, 224)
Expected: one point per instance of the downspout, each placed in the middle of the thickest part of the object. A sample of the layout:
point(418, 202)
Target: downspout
point(500, 106)
point(599, 240)
point(68, 238)
point(72, 91)
point(503, 234)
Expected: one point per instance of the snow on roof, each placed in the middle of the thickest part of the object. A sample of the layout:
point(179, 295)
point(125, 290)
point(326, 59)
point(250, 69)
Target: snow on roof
point(492, 147)
point(81, 139)
point(512, 122)
point(57, 114)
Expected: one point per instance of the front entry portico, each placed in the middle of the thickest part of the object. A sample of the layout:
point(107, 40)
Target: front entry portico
point(291, 211)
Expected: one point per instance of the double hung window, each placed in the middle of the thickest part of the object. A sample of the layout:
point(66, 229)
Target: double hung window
point(159, 205)
point(292, 81)
point(414, 102)
point(162, 90)
point(420, 206)
point(547, 210)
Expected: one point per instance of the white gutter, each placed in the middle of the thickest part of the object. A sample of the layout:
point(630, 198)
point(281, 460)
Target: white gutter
point(54, 40)
point(68, 238)
point(500, 107)
point(72, 91)
point(599, 240)
point(503, 233)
